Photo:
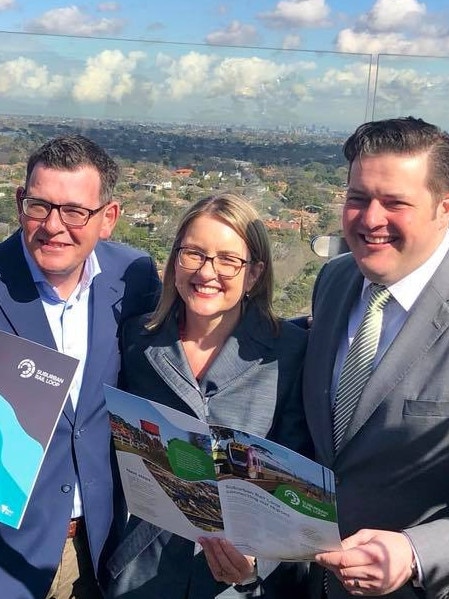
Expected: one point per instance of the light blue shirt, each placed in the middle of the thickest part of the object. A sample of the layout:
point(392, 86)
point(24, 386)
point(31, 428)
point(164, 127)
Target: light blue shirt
point(69, 322)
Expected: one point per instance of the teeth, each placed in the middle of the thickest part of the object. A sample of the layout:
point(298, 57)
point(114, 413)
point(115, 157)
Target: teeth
point(377, 240)
point(54, 244)
point(206, 290)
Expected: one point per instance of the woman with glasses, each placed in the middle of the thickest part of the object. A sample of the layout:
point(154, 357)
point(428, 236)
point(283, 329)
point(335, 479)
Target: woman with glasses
point(213, 349)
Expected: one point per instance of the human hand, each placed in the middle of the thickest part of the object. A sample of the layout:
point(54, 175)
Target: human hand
point(226, 562)
point(373, 562)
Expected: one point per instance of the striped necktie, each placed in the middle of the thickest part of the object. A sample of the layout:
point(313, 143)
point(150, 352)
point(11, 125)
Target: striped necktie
point(358, 364)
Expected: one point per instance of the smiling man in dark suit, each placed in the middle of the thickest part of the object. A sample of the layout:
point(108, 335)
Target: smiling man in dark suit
point(64, 286)
point(377, 371)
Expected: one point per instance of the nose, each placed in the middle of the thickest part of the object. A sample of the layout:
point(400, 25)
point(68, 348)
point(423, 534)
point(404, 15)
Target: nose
point(374, 215)
point(208, 267)
point(53, 222)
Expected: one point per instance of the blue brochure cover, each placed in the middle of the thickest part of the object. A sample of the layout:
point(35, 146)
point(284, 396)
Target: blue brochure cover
point(34, 385)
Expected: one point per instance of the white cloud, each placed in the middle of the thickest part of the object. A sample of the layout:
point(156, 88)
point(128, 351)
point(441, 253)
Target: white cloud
point(239, 78)
point(349, 40)
point(247, 77)
point(108, 76)
point(7, 4)
point(24, 77)
point(392, 43)
point(350, 80)
point(235, 34)
point(187, 75)
point(291, 42)
point(298, 13)
point(386, 16)
point(399, 27)
point(72, 21)
point(108, 6)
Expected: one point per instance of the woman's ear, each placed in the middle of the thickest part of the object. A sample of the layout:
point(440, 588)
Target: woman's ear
point(255, 271)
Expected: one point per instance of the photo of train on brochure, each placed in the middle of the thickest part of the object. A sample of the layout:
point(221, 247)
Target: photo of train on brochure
point(196, 479)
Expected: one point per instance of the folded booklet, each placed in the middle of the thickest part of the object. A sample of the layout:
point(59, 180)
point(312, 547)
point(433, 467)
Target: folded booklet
point(34, 385)
point(204, 480)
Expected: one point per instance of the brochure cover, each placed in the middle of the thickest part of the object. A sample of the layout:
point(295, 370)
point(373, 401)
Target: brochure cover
point(198, 480)
point(34, 385)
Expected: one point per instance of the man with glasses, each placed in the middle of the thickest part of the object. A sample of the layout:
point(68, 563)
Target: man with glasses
point(64, 286)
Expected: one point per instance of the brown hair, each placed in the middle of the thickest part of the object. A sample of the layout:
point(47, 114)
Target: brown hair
point(406, 135)
point(72, 152)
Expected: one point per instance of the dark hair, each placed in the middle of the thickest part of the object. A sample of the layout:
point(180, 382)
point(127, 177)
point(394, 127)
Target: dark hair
point(405, 135)
point(236, 212)
point(72, 152)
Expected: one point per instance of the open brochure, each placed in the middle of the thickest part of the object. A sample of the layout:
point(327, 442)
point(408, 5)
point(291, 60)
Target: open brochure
point(201, 480)
point(34, 385)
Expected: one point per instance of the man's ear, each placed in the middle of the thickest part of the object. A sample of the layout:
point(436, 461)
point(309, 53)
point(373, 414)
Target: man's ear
point(20, 194)
point(443, 209)
point(110, 216)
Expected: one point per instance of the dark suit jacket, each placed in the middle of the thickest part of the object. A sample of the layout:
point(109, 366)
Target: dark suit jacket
point(253, 385)
point(392, 468)
point(127, 285)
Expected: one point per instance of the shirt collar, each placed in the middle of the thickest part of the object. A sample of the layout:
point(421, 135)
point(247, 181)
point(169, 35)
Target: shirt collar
point(91, 270)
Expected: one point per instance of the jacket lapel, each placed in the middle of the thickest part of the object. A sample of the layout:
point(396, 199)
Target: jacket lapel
point(241, 352)
point(325, 337)
point(20, 303)
point(104, 314)
point(166, 356)
point(427, 321)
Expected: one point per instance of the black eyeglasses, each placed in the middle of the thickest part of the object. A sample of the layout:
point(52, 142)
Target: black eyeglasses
point(72, 216)
point(224, 265)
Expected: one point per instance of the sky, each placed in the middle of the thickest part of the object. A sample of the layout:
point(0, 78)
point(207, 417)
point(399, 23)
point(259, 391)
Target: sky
point(273, 63)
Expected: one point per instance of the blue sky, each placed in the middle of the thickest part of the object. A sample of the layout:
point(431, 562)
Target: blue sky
point(404, 26)
point(263, 63)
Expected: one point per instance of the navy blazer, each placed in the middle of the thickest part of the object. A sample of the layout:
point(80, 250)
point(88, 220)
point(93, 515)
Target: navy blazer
point(254, 384)
point(128, 284)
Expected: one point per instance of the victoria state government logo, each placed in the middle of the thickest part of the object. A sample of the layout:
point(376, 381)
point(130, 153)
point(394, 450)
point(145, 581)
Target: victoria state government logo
point(27, 368)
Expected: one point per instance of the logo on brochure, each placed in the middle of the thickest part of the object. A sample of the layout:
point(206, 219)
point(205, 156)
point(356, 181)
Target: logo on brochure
point(292, 496)
point(28, 368)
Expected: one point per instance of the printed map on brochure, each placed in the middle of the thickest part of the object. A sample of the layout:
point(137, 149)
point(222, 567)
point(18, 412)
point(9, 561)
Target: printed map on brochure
point(197, 480)
point(34, 384)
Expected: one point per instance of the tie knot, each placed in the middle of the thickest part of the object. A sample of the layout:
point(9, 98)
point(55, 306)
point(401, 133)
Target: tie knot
point(379, 296)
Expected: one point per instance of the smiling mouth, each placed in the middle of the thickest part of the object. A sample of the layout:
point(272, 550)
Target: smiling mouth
point(206, 290)
point(53, 244)
point(377, 240)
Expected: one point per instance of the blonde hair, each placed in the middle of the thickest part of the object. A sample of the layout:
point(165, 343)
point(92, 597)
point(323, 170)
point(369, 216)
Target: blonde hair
point(237, 213)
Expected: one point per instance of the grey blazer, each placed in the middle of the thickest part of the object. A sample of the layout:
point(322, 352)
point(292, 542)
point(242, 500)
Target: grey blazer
point(392, 467)
point(254, 384)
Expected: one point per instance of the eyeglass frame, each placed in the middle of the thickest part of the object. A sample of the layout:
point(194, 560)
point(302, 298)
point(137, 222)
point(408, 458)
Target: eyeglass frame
point(210, 259)
point(90, 212)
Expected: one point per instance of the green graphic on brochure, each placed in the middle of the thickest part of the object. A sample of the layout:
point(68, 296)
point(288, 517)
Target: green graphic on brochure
point(189, 462)
point(305, 505)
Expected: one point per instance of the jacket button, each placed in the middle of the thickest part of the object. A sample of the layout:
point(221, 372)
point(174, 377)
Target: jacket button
point(66, 488)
